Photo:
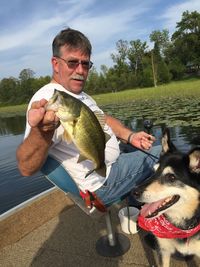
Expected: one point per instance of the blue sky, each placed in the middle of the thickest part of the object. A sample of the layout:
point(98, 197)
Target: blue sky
point(27, 27)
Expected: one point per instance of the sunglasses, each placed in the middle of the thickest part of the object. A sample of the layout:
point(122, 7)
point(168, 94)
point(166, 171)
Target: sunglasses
point(74, 63)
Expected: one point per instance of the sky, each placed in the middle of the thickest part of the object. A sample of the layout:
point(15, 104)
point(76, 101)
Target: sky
point(28, 27)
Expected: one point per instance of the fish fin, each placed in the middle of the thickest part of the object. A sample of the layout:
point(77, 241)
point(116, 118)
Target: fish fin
point(102, 171)
point(66, 137)
point(81, 158)
point(89, 173)
point(107, 137)
point(100, 117)
point(102, 120)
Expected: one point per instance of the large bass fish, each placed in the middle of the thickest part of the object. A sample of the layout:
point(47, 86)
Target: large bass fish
point(82, 127)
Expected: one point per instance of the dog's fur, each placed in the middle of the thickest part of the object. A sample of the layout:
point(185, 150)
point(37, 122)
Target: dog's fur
point(175, 174)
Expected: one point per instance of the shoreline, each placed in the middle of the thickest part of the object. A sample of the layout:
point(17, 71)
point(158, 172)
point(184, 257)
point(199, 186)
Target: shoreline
point(180, 89)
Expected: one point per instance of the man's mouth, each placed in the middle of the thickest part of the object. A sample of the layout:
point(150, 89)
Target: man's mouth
point(78, 78)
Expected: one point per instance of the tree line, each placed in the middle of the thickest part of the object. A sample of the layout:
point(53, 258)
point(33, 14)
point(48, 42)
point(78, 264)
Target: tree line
point(135, 65)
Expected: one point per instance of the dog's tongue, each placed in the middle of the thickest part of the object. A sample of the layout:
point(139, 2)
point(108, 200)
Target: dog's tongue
point(148, 209)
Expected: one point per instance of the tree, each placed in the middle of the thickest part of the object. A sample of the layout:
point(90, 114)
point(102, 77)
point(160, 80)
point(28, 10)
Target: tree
point(176, 68)
point(135, 54)
point(120, 71)
point(92, 82)
point(160, 71)
point(120, 57)
point(189, 24)
point(26, 90)
point(160, 39)
point(8, 90)
point(26, 74)
point(186, 39)
point(122, 49)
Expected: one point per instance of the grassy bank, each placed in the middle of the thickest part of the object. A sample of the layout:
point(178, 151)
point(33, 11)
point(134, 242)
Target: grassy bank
point(13, 110)
point(180, 89)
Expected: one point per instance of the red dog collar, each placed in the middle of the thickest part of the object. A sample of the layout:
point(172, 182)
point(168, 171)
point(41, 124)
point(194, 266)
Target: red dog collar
point(162, 228)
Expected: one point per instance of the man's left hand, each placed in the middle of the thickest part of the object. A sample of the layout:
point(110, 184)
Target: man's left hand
point(142, 140)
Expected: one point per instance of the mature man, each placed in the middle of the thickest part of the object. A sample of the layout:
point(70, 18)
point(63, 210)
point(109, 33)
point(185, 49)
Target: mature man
point(43, 136)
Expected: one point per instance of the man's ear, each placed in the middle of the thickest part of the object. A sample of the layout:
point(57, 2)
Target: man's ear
point(54, 62)
point(167, 145)
point(194, 160)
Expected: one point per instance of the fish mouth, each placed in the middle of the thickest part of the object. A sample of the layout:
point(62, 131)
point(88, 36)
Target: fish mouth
point(151, 210)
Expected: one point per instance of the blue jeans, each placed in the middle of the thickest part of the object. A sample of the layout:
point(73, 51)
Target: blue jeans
point(126, 173)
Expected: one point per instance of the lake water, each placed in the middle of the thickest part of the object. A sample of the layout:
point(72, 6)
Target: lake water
point(181, 116)
point(14, 188)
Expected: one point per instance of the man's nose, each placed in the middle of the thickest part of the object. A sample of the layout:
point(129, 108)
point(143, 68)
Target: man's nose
point(80, 69)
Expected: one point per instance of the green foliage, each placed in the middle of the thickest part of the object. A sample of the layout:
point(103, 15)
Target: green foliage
point(18, 91)
point(146, 80)
point(174, 90)
point(160, 39)
point(177, 69)
point(186, 40)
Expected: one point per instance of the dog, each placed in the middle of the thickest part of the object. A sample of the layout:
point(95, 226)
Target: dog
point(171, 198)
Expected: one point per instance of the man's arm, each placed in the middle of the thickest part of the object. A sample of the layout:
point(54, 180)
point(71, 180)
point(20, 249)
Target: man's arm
point(32, 153)
point(141, 140)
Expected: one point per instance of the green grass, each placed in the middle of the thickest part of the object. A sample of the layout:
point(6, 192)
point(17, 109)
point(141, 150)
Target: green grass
point(188, 88)
point(13, 110)
point(180, 89)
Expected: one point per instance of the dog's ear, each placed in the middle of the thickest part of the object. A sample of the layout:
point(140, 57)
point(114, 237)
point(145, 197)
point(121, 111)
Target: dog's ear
point(194, 160)
point(167, 145)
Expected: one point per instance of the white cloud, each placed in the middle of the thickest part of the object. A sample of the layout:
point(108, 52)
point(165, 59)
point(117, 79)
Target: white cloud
point(26, 39)
point(173, 14)
point(27, 35)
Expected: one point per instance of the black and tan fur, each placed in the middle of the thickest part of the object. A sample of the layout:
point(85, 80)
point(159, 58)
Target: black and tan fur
point(176, 174)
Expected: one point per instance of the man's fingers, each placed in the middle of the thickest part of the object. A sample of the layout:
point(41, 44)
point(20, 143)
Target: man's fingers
point(49, 117)
point(39, 104)
point(149, 138)
point(35, 116)
point(49, 127)
point(147, 141)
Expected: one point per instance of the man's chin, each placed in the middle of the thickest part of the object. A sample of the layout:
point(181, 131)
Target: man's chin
point(75, 90)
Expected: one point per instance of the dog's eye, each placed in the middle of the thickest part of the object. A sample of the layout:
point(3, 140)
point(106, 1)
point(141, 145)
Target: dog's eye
point(170, 177)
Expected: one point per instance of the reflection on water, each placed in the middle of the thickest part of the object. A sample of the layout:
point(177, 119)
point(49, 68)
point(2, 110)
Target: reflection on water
point(15, 188)
point(181, 116)
point(12, 125)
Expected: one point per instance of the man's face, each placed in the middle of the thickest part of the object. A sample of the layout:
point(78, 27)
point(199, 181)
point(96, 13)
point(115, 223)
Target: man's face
point(68, 72)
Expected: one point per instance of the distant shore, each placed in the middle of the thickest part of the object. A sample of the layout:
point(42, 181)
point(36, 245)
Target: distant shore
point(179, 89)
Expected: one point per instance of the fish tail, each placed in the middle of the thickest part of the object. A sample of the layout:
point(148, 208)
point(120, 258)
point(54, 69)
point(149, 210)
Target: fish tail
point(101, 171)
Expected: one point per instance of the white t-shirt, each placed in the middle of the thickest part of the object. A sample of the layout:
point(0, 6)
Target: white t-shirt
point(68, 154)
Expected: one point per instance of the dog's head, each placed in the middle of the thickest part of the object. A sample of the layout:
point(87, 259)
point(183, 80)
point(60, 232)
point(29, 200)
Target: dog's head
point(175, 185)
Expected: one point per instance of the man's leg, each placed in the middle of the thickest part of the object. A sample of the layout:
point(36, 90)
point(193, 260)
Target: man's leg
point(127, 172)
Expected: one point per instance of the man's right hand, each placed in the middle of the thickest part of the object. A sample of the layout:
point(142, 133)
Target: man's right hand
point(33, 151)
point(39, 117)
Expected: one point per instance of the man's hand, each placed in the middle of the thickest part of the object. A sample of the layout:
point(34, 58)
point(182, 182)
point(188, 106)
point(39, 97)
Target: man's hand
point(39, 117)
point(33, 151)
point(142, 140)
